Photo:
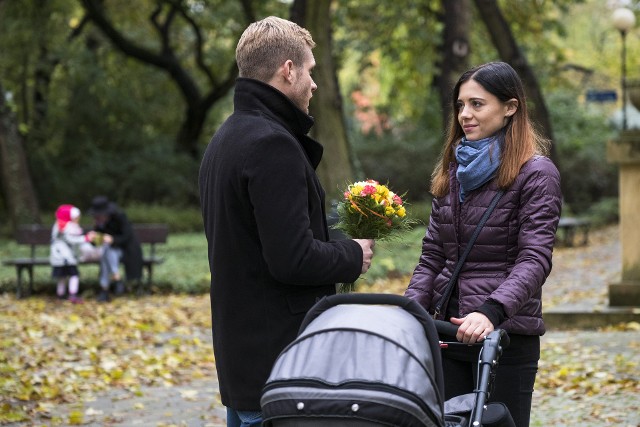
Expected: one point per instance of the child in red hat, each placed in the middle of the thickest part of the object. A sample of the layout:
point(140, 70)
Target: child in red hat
point(67, 237)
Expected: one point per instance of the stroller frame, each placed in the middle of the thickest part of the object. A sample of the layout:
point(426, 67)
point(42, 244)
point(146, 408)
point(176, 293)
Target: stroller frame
point(488, 358)
point(294, 393)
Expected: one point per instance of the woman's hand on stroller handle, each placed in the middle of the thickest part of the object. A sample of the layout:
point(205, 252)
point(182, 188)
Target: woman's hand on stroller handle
point(499, 336)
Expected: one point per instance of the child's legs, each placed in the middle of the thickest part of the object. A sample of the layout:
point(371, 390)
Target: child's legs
point(61, 286)
point(61, 274)
point(74, 285)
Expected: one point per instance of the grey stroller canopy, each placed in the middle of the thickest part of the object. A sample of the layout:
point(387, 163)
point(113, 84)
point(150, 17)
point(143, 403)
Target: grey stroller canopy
point(359, 360)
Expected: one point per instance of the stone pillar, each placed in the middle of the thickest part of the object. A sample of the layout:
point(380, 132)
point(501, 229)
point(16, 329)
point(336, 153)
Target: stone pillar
point(625, 151)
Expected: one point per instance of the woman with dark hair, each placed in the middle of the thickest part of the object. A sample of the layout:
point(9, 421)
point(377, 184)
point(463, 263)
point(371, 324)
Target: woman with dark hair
point(491, 147)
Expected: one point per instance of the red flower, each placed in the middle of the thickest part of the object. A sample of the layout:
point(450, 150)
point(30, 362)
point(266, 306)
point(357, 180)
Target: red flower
point(368, 190)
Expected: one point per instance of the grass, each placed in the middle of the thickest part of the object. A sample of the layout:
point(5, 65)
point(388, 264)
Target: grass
point(186, 270)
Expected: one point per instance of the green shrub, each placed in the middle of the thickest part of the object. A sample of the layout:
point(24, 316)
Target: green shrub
point(402, 157)
point(420, 211)
point(605, 211)
point(180, 219)
point(581, 135)
point(397, 257)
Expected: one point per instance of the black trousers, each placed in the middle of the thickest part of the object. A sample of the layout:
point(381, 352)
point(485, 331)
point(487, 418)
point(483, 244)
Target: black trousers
point(515, 375)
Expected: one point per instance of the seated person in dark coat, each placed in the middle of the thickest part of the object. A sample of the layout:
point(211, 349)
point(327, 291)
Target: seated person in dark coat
point(119, 243)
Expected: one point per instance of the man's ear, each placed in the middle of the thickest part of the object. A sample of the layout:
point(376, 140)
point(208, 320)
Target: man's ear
point(512, 107)
point(282, 79)
point(286, 70)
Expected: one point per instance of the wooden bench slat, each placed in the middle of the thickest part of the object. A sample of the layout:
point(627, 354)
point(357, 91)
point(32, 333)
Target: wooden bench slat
point(33, 261)
point(151, 233)
point(568, 226)
point(36, 235)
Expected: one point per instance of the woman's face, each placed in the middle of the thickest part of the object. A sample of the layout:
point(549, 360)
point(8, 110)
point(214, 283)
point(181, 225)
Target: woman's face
point(480, 113)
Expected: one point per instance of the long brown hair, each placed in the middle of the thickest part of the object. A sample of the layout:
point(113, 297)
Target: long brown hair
point(521, 140)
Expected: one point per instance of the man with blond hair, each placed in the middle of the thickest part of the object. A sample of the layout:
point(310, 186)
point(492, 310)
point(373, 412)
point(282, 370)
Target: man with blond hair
point(264, 216)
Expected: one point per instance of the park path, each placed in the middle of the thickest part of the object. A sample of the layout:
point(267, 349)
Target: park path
point(595, 384)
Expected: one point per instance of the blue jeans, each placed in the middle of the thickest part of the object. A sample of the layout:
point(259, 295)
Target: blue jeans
point(109, 264)
point(243, 418)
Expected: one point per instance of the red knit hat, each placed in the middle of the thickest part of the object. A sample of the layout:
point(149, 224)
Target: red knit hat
point(66, 213)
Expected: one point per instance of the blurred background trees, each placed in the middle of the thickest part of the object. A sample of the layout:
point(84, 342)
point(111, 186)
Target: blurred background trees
point(116, 98)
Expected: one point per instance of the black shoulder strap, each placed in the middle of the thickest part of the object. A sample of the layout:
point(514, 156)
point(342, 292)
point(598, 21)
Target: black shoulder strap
point(456, 271)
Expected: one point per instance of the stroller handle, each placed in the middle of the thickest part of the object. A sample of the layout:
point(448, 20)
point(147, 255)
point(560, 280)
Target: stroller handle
point(499, 335)
point(446, 328)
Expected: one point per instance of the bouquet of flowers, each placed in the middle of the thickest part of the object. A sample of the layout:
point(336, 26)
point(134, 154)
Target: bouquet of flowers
point(369, 210)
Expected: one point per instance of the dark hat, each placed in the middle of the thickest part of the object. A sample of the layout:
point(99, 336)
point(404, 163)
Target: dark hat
point(101, 205)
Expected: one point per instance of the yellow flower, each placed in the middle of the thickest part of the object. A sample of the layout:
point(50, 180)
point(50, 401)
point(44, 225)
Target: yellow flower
point(401, 212)
point(383, 191)
point(389, 211)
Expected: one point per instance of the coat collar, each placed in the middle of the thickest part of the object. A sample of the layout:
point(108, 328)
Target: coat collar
point(253, 94)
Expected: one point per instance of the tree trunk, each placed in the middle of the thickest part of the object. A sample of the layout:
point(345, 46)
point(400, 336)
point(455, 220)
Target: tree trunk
point(508, 49)
point(336, 169)
point(454, 52)
point(17, 185)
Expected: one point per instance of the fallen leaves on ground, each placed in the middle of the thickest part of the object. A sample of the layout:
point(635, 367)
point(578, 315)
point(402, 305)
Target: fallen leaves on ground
point(571, 367)
point(54, 352)
point(601, 377)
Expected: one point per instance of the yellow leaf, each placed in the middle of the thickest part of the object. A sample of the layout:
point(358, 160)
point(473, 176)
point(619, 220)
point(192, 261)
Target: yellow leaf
point(76, 418)
point(563, 372)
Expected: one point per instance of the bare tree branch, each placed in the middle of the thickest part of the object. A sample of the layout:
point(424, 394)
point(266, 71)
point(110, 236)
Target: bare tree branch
point(198, 101)
point(198, 47)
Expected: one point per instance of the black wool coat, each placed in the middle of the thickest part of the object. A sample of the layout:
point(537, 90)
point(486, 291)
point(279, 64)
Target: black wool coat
point(268, 243)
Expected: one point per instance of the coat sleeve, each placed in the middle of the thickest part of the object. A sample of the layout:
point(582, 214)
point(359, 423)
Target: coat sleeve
point(540, 205)
point(431, 262)
point(125, 230)
point(281, 189)
point(73, 235)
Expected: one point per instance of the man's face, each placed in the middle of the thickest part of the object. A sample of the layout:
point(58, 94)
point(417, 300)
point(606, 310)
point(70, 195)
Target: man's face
point(303, 85)
point(100, 219)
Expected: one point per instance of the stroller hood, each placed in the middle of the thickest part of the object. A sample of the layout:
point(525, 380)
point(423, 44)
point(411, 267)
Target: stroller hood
point(359, 357)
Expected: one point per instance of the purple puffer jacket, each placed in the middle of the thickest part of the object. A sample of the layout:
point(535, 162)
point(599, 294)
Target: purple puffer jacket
point(511, 258)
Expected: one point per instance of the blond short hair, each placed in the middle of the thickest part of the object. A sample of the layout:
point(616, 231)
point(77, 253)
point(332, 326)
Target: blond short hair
point(267, 44)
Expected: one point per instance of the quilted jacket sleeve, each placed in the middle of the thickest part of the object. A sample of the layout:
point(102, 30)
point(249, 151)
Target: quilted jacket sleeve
point(431, 262)
point(540, 205)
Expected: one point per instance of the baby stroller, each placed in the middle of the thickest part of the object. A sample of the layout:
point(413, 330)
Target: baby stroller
point(365, 360)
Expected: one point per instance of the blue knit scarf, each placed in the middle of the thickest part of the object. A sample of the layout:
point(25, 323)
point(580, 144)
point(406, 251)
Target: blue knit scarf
point(477, 162)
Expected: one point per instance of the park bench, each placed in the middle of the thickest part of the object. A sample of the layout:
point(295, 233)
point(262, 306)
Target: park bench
point(568, 227)
point(35, 235)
